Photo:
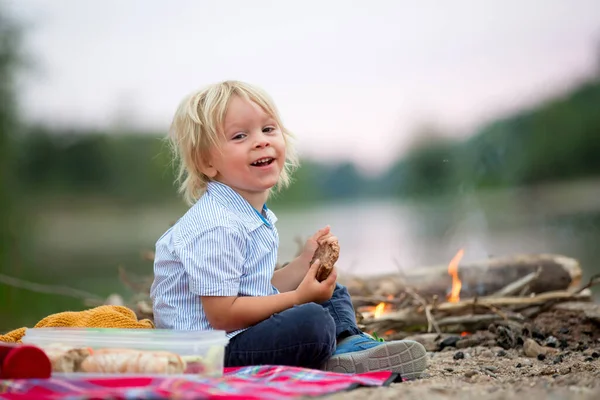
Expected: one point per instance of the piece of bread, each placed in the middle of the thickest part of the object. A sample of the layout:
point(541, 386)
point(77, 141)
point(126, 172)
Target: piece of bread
point(328, 254)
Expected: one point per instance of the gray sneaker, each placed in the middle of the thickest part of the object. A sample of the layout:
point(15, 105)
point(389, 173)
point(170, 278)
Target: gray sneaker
point(362, 353)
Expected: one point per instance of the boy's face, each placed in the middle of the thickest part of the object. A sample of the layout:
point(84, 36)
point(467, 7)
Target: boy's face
point(252, 152)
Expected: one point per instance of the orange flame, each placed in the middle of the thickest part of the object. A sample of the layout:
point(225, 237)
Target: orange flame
point(379, 310)
point(454, 296)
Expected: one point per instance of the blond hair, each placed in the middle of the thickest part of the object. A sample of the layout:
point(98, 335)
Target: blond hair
point(197, 124)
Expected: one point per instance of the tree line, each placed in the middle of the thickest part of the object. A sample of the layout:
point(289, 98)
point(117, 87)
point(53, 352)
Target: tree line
point(556, 140)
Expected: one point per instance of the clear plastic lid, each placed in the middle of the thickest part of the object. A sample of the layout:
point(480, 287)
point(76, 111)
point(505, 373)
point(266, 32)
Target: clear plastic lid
point(109, 337)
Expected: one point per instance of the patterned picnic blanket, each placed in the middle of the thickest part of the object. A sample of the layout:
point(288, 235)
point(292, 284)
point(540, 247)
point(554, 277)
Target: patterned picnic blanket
point(262, 382)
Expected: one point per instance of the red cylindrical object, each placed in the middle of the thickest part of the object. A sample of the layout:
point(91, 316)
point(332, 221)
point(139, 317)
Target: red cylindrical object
point(23, 362)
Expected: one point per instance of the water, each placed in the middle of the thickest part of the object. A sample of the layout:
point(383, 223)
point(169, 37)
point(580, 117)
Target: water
point(381, 236)
point(375, 236)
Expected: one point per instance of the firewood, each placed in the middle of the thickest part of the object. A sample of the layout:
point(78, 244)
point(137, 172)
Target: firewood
point(481, 278)
point(514, 301)
point(359, 301)
point(518, 285)
point(467, 315)
point(410, 322)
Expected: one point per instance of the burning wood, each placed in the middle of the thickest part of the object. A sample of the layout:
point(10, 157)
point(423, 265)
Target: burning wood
point(486, 277)
point(456, 282)
point(460, 314)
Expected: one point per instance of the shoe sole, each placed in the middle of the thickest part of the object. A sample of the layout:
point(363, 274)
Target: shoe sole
point(406, 357)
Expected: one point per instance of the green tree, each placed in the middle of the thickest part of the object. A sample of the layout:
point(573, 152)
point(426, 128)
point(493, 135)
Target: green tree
point(9, 58)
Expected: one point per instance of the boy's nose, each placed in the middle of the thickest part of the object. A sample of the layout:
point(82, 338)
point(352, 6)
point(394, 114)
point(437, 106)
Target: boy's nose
point(262, 142)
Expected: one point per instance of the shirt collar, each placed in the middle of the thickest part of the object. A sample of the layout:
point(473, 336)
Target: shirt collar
point(228, 197)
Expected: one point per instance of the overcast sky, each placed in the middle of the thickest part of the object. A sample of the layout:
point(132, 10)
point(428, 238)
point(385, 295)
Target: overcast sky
point(351, 78)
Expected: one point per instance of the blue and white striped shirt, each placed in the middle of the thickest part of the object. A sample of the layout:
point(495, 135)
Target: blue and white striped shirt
point(221, 246)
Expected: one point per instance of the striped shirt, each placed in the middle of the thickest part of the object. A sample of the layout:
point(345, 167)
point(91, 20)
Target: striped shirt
point(221, 246)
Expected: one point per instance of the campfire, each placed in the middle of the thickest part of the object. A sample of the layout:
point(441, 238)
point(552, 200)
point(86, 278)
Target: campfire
point(500, 294)
point(454, 295)
point(380, 309)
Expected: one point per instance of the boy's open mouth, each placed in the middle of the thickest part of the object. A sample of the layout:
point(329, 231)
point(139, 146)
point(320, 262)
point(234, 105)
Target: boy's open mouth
point(261, 162)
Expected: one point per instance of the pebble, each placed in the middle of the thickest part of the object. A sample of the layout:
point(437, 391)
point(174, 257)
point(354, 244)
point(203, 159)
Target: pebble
point(470, 373)
point(490, 373)
point(481, 378)
point(563, 330)
point(537, 334)
point(548, 371)
point(588, 359)
point(532, 349)
point(501, 353)
point(449, 369)
point(487, 354)
point(551, 341)
point(459, 355)
point(450, 341)
point(541, 357)
point(595, 354)
point(558, 359)
point(491, 368)
point(564, 370)
point(582, 347)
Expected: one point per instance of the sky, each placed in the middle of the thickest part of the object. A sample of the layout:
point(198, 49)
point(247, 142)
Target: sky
point(352, 79)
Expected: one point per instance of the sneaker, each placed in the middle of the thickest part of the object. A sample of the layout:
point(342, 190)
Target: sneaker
point(363, 353)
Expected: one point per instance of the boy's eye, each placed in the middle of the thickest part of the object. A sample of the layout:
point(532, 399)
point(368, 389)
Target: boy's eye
point(239, 136)
point(268, 129)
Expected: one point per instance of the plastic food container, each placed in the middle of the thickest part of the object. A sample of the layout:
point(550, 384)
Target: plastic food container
point(87, 352)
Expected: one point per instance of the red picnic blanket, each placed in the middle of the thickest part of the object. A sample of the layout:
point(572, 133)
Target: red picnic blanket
point(260, 382)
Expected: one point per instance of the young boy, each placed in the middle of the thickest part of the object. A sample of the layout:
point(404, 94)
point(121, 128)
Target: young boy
point(214, 268)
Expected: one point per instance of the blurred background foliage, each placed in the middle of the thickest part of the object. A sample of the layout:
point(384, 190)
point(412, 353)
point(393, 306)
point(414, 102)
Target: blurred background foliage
point(554, 141)
point(77, 203)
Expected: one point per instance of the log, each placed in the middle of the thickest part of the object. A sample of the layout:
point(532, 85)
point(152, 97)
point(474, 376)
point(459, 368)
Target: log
point(515, 301)
point(481, 278)
point(461, 316)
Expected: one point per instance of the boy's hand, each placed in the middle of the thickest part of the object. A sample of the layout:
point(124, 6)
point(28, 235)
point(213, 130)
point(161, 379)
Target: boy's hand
point(311, 290)
point(323, 235)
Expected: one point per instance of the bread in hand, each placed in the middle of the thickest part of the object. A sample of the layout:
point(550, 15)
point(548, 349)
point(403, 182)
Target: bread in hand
point(328, 254)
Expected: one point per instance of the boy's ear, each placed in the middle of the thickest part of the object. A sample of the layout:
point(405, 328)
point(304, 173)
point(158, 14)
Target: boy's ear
point(207, 169)
point(205, 166)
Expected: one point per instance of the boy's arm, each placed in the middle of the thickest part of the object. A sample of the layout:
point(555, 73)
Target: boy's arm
point(232, 313)
point(289, 277)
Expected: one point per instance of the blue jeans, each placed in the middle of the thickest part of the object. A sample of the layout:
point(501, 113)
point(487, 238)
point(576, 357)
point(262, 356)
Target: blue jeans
point(302, 336)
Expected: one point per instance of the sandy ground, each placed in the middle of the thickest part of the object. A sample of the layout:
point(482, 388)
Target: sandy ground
point(494, 373)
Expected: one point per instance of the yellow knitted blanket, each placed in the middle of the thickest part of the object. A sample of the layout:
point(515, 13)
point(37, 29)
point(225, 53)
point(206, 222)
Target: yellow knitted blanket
point(107, 316)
